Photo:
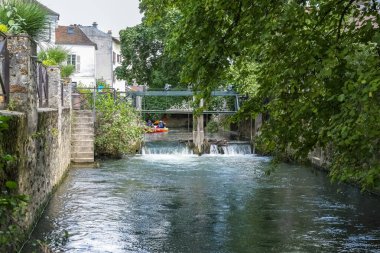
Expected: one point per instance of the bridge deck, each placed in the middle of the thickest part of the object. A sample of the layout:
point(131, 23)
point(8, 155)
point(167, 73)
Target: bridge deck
point(179, 93)
point(185, 112)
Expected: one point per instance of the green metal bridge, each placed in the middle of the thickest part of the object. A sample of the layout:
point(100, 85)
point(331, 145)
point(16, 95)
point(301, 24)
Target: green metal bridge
point(139, 95)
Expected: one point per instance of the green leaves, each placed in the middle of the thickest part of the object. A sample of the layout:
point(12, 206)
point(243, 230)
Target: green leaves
point(11, 185)
point(145, 58)
point(341, 97)
point(67, 70)
point(12, 205)
point(24, 16)
point(119, 128)
point(313, 70)
point(3, 123)
point(55, 54)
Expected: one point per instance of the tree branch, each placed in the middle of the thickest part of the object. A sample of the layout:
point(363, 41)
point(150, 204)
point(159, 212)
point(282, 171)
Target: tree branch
point(326, 14)
point(234, 23)
point(374, 5)
point(342, 17)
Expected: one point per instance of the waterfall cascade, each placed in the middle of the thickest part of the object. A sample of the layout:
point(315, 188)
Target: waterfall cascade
point(166, 147)
point(231, 149)
point(181, 148)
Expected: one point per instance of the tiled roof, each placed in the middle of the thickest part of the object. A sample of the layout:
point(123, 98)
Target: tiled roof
point(72, 35)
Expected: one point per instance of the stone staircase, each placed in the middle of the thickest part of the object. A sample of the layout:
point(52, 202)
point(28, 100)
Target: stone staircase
point(82, 137)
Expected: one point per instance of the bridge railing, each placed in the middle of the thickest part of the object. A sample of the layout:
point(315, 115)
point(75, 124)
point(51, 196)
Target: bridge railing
point(172, 102)
point(181, 101)
point(84, 98)
point(4, 71)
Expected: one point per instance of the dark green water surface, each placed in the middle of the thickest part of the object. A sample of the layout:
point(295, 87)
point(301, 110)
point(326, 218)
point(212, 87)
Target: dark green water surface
point(186, 203)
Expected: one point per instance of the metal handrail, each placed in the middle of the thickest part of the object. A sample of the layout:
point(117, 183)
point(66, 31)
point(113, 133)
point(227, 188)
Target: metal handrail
point(123, 96)
point(4, 68)
point(42, 84)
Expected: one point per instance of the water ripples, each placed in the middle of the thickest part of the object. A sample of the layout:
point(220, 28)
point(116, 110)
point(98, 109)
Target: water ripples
point(172, 203)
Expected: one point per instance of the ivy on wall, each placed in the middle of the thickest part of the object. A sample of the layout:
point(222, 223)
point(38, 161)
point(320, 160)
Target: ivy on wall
point(12, 205)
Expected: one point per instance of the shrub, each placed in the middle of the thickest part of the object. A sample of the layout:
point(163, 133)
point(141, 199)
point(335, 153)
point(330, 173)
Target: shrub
point(119, 127)
point(67, 70)
point(49, 63)
point(24, 16)
point(55, 54)
point(212, 127)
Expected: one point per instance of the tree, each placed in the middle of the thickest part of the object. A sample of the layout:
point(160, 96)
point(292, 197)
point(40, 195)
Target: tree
point(315, 66)
point(145, 59)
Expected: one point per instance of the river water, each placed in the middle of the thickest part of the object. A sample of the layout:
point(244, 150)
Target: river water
point(179, 202)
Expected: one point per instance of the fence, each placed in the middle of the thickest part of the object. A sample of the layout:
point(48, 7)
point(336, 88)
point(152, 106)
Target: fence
point(41, 77)
point(85, 98)
point(42, 84)
point(4, 71)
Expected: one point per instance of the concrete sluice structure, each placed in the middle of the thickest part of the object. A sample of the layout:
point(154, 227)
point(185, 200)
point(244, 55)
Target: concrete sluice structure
point(185, 148)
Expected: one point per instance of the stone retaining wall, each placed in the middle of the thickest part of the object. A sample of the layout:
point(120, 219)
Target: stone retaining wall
point(38, 138)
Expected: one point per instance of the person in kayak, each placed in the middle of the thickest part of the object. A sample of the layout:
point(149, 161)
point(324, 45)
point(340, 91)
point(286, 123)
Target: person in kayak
point(149, 123)
point(161, 124)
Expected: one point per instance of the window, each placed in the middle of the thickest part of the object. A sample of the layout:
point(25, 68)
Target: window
point(118, 58)
point(113, 57)
point(74, 60)
point(70, 30)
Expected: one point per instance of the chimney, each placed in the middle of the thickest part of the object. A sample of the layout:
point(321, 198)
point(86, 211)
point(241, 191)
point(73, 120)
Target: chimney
point(109, 32)
point(95, 25)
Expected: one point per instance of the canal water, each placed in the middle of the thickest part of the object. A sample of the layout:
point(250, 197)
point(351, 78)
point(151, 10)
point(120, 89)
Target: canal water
point(174, 201)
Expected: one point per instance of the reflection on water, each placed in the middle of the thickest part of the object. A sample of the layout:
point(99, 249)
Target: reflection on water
point(186, 203)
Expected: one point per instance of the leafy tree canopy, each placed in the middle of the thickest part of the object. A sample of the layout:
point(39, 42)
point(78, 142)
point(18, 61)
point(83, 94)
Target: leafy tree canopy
point(145, 58)
point(313, 65)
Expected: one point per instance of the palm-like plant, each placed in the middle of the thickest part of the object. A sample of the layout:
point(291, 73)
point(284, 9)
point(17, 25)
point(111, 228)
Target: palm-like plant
point(55, 54)
point(24, 16)
point(67, 70)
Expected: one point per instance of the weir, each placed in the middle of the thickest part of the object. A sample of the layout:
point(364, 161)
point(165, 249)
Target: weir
point(182, 148)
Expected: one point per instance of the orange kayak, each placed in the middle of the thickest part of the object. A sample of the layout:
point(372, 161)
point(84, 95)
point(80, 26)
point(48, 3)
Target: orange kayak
point(156, 130)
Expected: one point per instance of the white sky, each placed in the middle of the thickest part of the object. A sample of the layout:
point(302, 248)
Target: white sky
point(109, 14)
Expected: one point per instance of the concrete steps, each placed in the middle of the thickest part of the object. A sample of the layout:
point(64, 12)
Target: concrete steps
point(82, 137)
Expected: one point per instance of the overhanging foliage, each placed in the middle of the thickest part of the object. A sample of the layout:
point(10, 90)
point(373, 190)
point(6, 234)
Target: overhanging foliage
point(313, 65)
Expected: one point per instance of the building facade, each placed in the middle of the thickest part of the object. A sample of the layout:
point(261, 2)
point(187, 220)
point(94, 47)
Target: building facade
point(108, 55)
point(82, 54)
point(103, 54)
point(116, 62)
point(48, 38)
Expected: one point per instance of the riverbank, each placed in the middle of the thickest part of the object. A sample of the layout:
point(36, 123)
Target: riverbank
point(319, 161)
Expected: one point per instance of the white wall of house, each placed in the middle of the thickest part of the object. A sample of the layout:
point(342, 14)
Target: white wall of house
point(48, 39)
point(85, 61)
point(104, 52)
point(116, 62)
point(53, 24)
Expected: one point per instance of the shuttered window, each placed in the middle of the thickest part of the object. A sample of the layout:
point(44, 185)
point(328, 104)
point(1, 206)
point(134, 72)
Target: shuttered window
point(77, 66)
point(74, 60)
